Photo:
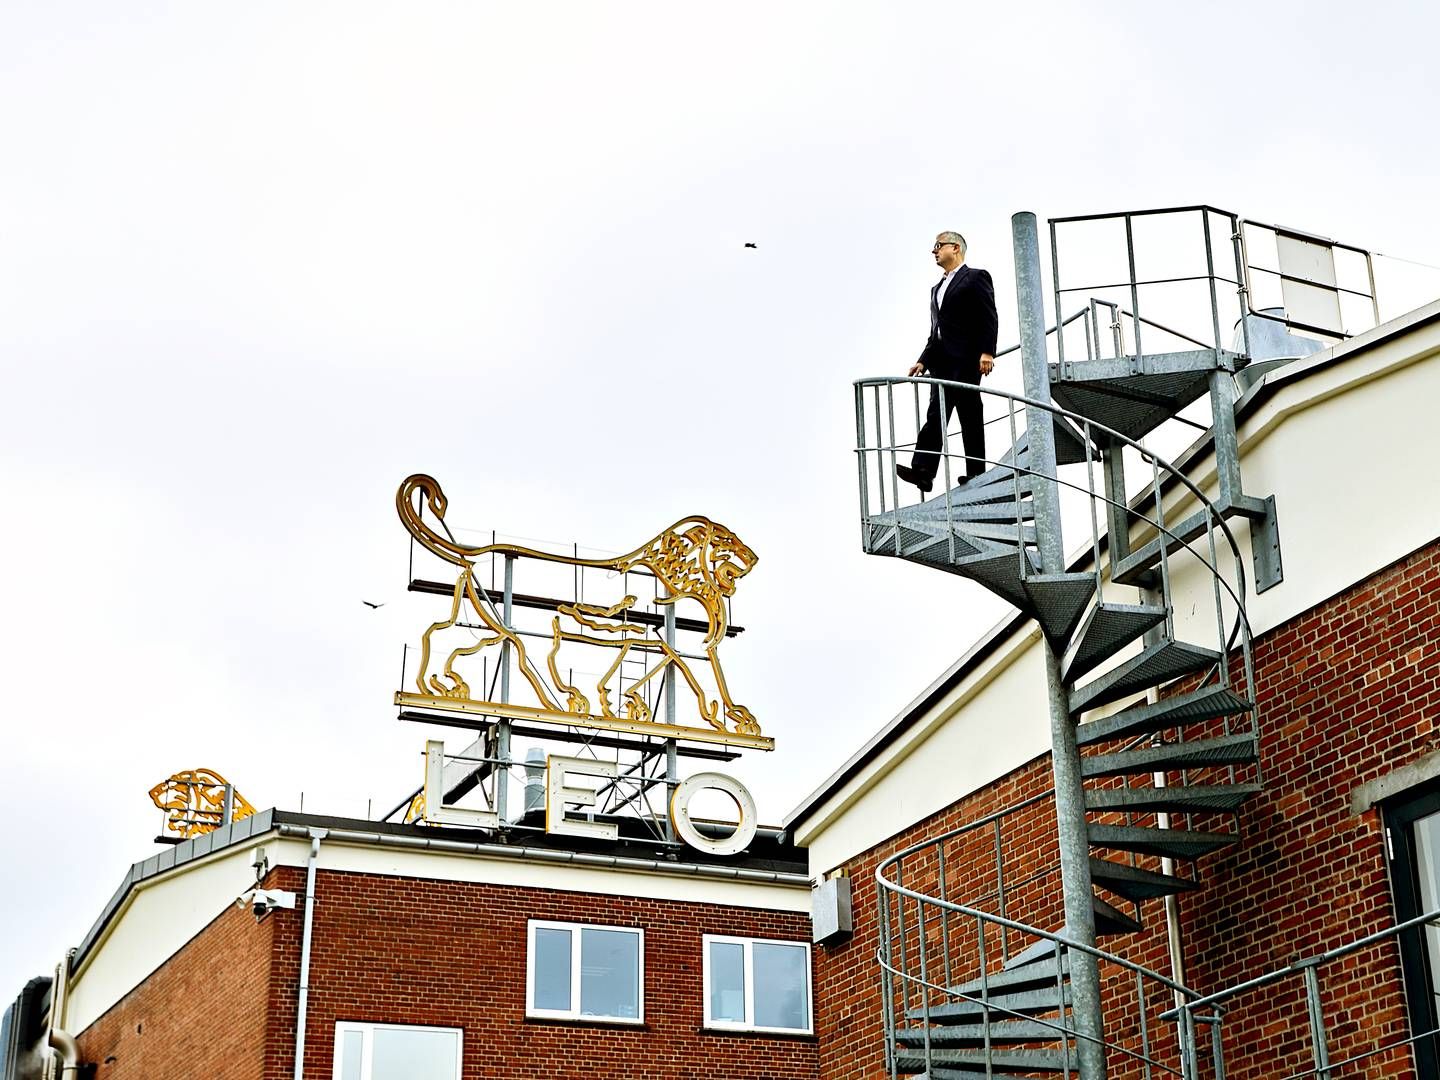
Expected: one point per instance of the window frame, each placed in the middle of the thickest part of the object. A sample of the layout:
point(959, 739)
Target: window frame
point(367, 1030)
point(576, 972)
point(1400, 815)
point(748, 975)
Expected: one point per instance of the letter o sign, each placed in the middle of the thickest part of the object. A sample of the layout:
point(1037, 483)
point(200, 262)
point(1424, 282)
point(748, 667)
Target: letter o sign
point(745, 827)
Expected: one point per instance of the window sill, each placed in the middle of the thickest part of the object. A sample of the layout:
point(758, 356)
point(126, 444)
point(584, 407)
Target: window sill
point(760, 1033)
point(590, 1021)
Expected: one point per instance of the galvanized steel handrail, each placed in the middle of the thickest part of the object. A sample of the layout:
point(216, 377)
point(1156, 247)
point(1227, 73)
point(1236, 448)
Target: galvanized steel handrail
point(1237, 594)
point(1308, 970)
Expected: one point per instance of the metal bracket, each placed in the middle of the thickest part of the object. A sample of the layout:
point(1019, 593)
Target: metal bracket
point(1265, 548)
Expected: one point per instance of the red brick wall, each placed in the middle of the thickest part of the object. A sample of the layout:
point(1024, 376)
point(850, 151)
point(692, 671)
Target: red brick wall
point(393, 950)
point(1349, 692)
point(200, 1014)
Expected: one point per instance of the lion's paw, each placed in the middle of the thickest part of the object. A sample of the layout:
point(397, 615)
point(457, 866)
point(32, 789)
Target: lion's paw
point(577, 703)
point(635, 708)
point(459, 688)
point(743, 720)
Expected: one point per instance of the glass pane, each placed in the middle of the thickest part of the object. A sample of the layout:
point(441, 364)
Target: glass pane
point(411, 1054)
point(727, 981)
point(351, 1045)
point(609, 973)
point(552, 969)
point(782, 986)
point(1427, 866)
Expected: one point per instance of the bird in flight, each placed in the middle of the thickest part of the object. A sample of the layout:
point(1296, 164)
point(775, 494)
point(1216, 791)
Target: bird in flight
point(750, 245)
point(372, 604)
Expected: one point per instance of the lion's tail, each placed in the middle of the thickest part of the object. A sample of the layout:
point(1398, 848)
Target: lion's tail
point(430, 493)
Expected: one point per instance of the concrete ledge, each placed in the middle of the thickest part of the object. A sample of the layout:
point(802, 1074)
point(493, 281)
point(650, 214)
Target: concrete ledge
point(1402, 779)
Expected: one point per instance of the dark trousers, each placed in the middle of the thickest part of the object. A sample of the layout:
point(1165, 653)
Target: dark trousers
point(964, 404)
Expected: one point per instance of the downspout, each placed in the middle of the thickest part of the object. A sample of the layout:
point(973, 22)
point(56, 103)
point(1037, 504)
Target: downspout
point(60, 1040)
point(316, 835)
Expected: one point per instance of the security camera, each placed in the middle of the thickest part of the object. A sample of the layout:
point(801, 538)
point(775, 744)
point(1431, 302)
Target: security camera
point(263, 901)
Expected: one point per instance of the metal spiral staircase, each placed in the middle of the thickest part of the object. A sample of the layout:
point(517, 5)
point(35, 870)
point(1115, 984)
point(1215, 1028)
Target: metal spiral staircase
point(1153, 731)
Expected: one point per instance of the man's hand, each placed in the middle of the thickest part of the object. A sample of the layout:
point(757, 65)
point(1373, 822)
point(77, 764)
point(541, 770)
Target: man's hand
point(987, 364)
point(917, 368)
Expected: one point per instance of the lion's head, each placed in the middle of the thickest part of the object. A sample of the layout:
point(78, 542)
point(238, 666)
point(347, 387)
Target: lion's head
point(701, 559)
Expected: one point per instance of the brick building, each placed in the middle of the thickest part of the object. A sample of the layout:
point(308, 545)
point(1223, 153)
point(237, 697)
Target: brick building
point(435, 954)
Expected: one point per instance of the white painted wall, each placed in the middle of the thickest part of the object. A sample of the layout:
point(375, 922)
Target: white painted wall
point(1347, 444)
point(157, 918)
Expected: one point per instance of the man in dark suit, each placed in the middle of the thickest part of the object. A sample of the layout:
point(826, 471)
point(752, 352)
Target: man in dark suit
point(961, 348)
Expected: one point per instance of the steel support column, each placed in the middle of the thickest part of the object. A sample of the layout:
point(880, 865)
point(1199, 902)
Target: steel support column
point(1065, 754)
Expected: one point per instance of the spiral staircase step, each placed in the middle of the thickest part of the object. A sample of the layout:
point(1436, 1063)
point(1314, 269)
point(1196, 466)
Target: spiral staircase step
point(1155, 665)
point(1135, 883)
point(1000, 1060)
point(1032, 1001)
point(1237, 749)
point(1133, 405)
point(1145, 717)
point(1166, 843)
point(1000, 1030)
point(1107, 629)
point(1177, 799)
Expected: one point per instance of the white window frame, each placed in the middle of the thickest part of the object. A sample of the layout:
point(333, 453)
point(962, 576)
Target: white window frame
point(576, 939)
point(749, 976)
point(367, 1048)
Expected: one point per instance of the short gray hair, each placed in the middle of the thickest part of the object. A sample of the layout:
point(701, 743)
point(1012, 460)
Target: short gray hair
point(949, 236)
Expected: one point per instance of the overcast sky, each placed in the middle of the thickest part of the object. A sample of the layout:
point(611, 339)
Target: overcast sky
point(259, 262)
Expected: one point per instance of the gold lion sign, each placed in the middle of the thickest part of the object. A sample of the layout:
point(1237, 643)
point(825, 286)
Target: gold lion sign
point(696, 559)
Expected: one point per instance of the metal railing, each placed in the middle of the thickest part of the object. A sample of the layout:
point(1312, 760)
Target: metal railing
point(1211, 1009)
point(933, 950)
point(881, 458)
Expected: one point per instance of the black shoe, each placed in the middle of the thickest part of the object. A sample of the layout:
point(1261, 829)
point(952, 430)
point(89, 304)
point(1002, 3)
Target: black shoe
point(920, 480)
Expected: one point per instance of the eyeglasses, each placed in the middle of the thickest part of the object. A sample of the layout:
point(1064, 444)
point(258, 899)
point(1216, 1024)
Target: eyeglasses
point(936, 249)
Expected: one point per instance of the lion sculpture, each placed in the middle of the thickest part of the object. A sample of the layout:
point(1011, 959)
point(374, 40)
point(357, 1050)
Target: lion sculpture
point(194, 802)
point(696, 559)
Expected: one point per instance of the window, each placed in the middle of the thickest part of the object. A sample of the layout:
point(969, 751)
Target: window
point(755, 985)
point(396, 1052)
point(580, 972)
point(1412, 826)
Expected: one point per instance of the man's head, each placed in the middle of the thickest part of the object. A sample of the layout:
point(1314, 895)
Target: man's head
point(949, 250)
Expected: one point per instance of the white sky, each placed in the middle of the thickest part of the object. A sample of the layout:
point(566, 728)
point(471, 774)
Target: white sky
point(259, 262)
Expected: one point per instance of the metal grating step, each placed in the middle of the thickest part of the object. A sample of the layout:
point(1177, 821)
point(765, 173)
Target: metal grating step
point(1110, 920)
point(1035, 974)
point(1155, 665)
point(939, 550)
point(1034, 1002)
point(998, 569)
point(1177, 799)
point(1069, 444)
point(1000, 1060)
point(1134, 405)
point(1133, 883)
point(1166, 843)
point(1176, 711)
point(1108, 629)
point(1058, 601)
point(1000, 1030)
point(1199, 753)
point(1002, 510)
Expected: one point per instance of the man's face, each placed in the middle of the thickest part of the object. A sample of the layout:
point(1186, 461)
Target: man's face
point(947, 254)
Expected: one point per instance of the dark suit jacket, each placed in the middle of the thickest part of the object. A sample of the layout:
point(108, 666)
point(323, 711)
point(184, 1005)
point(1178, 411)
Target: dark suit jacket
point(968, 325)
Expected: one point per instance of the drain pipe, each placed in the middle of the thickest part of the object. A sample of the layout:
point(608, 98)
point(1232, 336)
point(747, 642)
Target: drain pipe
point(60, 1040)
point(1172, 902)
point(316, 835)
